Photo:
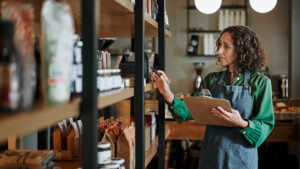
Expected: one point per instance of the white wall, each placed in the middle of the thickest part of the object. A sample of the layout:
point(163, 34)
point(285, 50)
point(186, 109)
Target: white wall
point(295, 59)
point(272, 28)
point(179, 67)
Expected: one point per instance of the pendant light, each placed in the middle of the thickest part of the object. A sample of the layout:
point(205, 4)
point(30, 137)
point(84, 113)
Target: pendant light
point(263, 6)
point(208, 6)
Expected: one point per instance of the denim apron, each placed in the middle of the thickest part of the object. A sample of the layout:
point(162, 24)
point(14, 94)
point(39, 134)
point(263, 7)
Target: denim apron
point(226, 147)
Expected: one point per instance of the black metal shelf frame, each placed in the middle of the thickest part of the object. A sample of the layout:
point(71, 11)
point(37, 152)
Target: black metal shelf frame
point(90, 9)
point(161, 101)
point(139, 85)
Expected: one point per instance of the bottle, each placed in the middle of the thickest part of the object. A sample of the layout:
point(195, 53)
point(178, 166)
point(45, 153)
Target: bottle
point(9, 69)
point(283, 83)
point(58, 34)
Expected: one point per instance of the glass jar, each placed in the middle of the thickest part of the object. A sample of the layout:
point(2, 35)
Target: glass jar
point(105, 80)
point(119, 161)
point(104, 153)
point(100, 80)
point(9, 69)
point(109, 81)
point(114, 79)
point(118, 79)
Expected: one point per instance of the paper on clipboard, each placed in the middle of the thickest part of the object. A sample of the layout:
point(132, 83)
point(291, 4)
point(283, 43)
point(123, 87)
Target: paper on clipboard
point(200, 108)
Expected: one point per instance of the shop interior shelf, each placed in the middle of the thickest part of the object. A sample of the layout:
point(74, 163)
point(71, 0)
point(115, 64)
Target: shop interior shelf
point(109, 98)
point(116, 19)
point(37, 119)
point(25, 122)
point(149, 154)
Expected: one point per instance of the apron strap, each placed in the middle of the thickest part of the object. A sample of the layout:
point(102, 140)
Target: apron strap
point(246, 80)
point(222, 77)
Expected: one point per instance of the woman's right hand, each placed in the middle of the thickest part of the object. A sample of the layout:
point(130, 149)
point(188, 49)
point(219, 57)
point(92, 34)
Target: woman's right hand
point(163, 85)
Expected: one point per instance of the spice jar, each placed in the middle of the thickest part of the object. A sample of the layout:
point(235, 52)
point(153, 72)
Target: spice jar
point(119, 161)
point(104, 153)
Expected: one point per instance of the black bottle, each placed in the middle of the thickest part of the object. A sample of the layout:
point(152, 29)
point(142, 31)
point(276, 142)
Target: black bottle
point(9, 69)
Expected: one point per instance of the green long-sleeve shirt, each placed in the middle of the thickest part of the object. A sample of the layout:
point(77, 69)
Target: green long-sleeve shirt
point(260, 125)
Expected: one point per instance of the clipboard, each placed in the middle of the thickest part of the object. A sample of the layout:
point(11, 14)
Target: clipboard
point(200, 108)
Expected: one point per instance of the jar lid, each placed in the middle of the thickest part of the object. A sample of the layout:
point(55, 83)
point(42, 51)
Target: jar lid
point(109, 165)
point(118, 160)
point(6, 28)
point(100, 71)
point(103, 145)
point(105, 71)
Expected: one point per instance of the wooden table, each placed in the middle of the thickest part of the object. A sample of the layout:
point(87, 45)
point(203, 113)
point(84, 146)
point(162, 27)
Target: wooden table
point(282, 132)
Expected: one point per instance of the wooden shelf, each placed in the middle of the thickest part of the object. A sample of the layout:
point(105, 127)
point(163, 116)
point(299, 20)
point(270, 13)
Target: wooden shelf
point(110, 98)
point(39, 118)
point(26, 122)
point(150, 153)
point(116, 19)
point(189, 130)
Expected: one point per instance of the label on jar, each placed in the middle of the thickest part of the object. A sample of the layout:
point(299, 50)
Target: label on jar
point(104, 157)
point(58, 84)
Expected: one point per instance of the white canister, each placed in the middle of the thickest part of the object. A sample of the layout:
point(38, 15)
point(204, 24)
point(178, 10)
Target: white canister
point(104, 153)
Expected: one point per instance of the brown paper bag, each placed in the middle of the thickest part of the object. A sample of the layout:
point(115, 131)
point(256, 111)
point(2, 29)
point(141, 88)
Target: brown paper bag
point(125, 147)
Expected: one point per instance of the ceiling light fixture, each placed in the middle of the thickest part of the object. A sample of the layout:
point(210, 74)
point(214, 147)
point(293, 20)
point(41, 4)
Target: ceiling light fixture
point(208, 6)
point(263, 6)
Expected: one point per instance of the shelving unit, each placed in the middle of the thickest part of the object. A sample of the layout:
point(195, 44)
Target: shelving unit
point(116, 15)
point(110, 98)
point(25, 122)
point(114, 18)
point(149, 154)
point(202, 32)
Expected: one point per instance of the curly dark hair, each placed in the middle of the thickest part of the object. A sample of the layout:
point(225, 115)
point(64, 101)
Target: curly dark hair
point(250, 54)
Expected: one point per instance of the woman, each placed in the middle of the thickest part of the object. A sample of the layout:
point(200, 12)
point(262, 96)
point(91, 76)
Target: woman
point(250, 95)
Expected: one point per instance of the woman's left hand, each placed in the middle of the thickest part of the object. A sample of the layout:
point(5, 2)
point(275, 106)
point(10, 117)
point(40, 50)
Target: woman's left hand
point(234, 118)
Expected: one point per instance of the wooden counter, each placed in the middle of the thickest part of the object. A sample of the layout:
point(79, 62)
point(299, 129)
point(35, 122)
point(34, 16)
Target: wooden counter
point(282, 132)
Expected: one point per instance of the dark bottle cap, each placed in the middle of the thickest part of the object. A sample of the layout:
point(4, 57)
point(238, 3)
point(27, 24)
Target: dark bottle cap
point(6, 29)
